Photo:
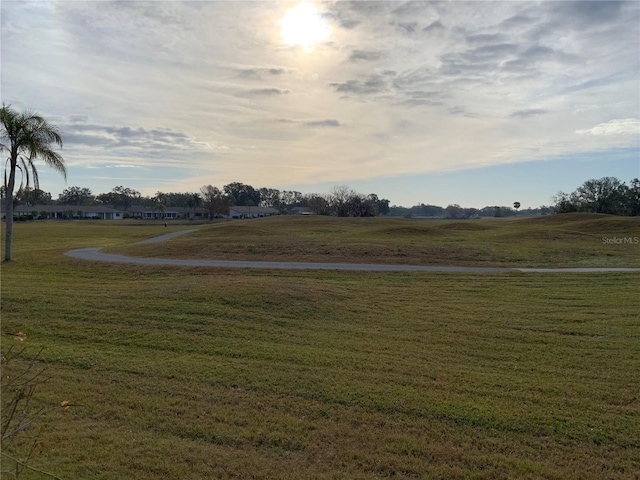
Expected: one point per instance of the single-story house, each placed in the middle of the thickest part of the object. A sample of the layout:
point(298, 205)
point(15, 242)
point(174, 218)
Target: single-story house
point(169, 213)
point(251, 212)
point(300, 211)
point(96, 212)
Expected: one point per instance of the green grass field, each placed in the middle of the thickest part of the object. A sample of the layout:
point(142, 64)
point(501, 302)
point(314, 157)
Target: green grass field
point(212, 373)
point(558, 241)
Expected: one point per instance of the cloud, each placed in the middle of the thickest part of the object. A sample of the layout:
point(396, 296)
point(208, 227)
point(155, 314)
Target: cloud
point(408, 27)
point(412, 9)
point(258, 73)
point(349, 23)
point(374, 84)
point(602, 81)
point(458, 110)
point(480, 62)
point(268, 92)
point(486, 38)
point(330, 122)
point(78, 118)
point(352, 14)
point(527, 113)
point(365, 55)
point(154, 84)
point(590, 12)
point(436, 26)
point(624, 126)
point(519, 21)
point(110, 137)
point(409, 89)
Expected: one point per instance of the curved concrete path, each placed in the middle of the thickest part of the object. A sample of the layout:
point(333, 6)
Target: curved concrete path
point(94, 254)
point(164, 237)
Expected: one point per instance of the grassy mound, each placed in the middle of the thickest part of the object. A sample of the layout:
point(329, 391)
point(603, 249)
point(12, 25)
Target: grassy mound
point(560, 240)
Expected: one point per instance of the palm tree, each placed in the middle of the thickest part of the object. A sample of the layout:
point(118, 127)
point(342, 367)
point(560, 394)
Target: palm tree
point(26, 136)
point(516, 205)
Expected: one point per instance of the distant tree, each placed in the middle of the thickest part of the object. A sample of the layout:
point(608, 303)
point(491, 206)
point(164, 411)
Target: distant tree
point(605, 195)
point(633, 197)
point(161, 209)
point(31, 196)
point(177, 199)
point(423, 210)
point(516, 205)
point(26, 137)
point(497, 211)
point(564, 203)
point(471, 212)
point(375, 206)
point(455, 211)
point(291, 198)
point(369, 205)
point(269, 197)
point(194, 201)
point(160, 199)
point(214, 201)
point(342, 201)
point(544, 210)
point(319, 204)
point(339, 198)
point(383, 206)
point(243, 195)
point(398, 211)
point(76, 196)
point(355, 207)
point(120, 197)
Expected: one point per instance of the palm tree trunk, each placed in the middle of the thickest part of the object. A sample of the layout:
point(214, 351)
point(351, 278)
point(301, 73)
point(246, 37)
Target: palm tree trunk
point(9, 211)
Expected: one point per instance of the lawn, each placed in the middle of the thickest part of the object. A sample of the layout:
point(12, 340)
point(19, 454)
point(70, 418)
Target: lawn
point(213, 373)
point(582, 240)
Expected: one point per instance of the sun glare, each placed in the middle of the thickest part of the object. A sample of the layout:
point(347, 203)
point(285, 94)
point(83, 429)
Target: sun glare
point(303, 25)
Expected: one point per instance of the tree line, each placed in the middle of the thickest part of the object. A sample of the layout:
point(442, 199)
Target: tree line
point(455, 211)
point(341, 201)
point(604, 195)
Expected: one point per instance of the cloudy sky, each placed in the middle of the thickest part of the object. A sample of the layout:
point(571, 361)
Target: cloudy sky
point(475, 103)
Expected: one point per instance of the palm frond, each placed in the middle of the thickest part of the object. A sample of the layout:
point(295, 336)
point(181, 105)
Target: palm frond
point(52, 159)
point(28, 136)
point(30, 171)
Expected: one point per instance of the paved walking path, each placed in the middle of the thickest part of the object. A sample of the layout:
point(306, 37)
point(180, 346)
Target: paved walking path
point(166, 236)
point(94, 254)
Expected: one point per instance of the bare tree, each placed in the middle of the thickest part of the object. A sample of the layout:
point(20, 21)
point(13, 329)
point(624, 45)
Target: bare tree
point(215, 201)
point(339, 198)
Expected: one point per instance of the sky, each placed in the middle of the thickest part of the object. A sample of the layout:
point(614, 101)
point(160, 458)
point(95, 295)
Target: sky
point(474, 103)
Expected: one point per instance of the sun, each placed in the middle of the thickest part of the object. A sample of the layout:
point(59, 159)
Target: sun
point(303, 25)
